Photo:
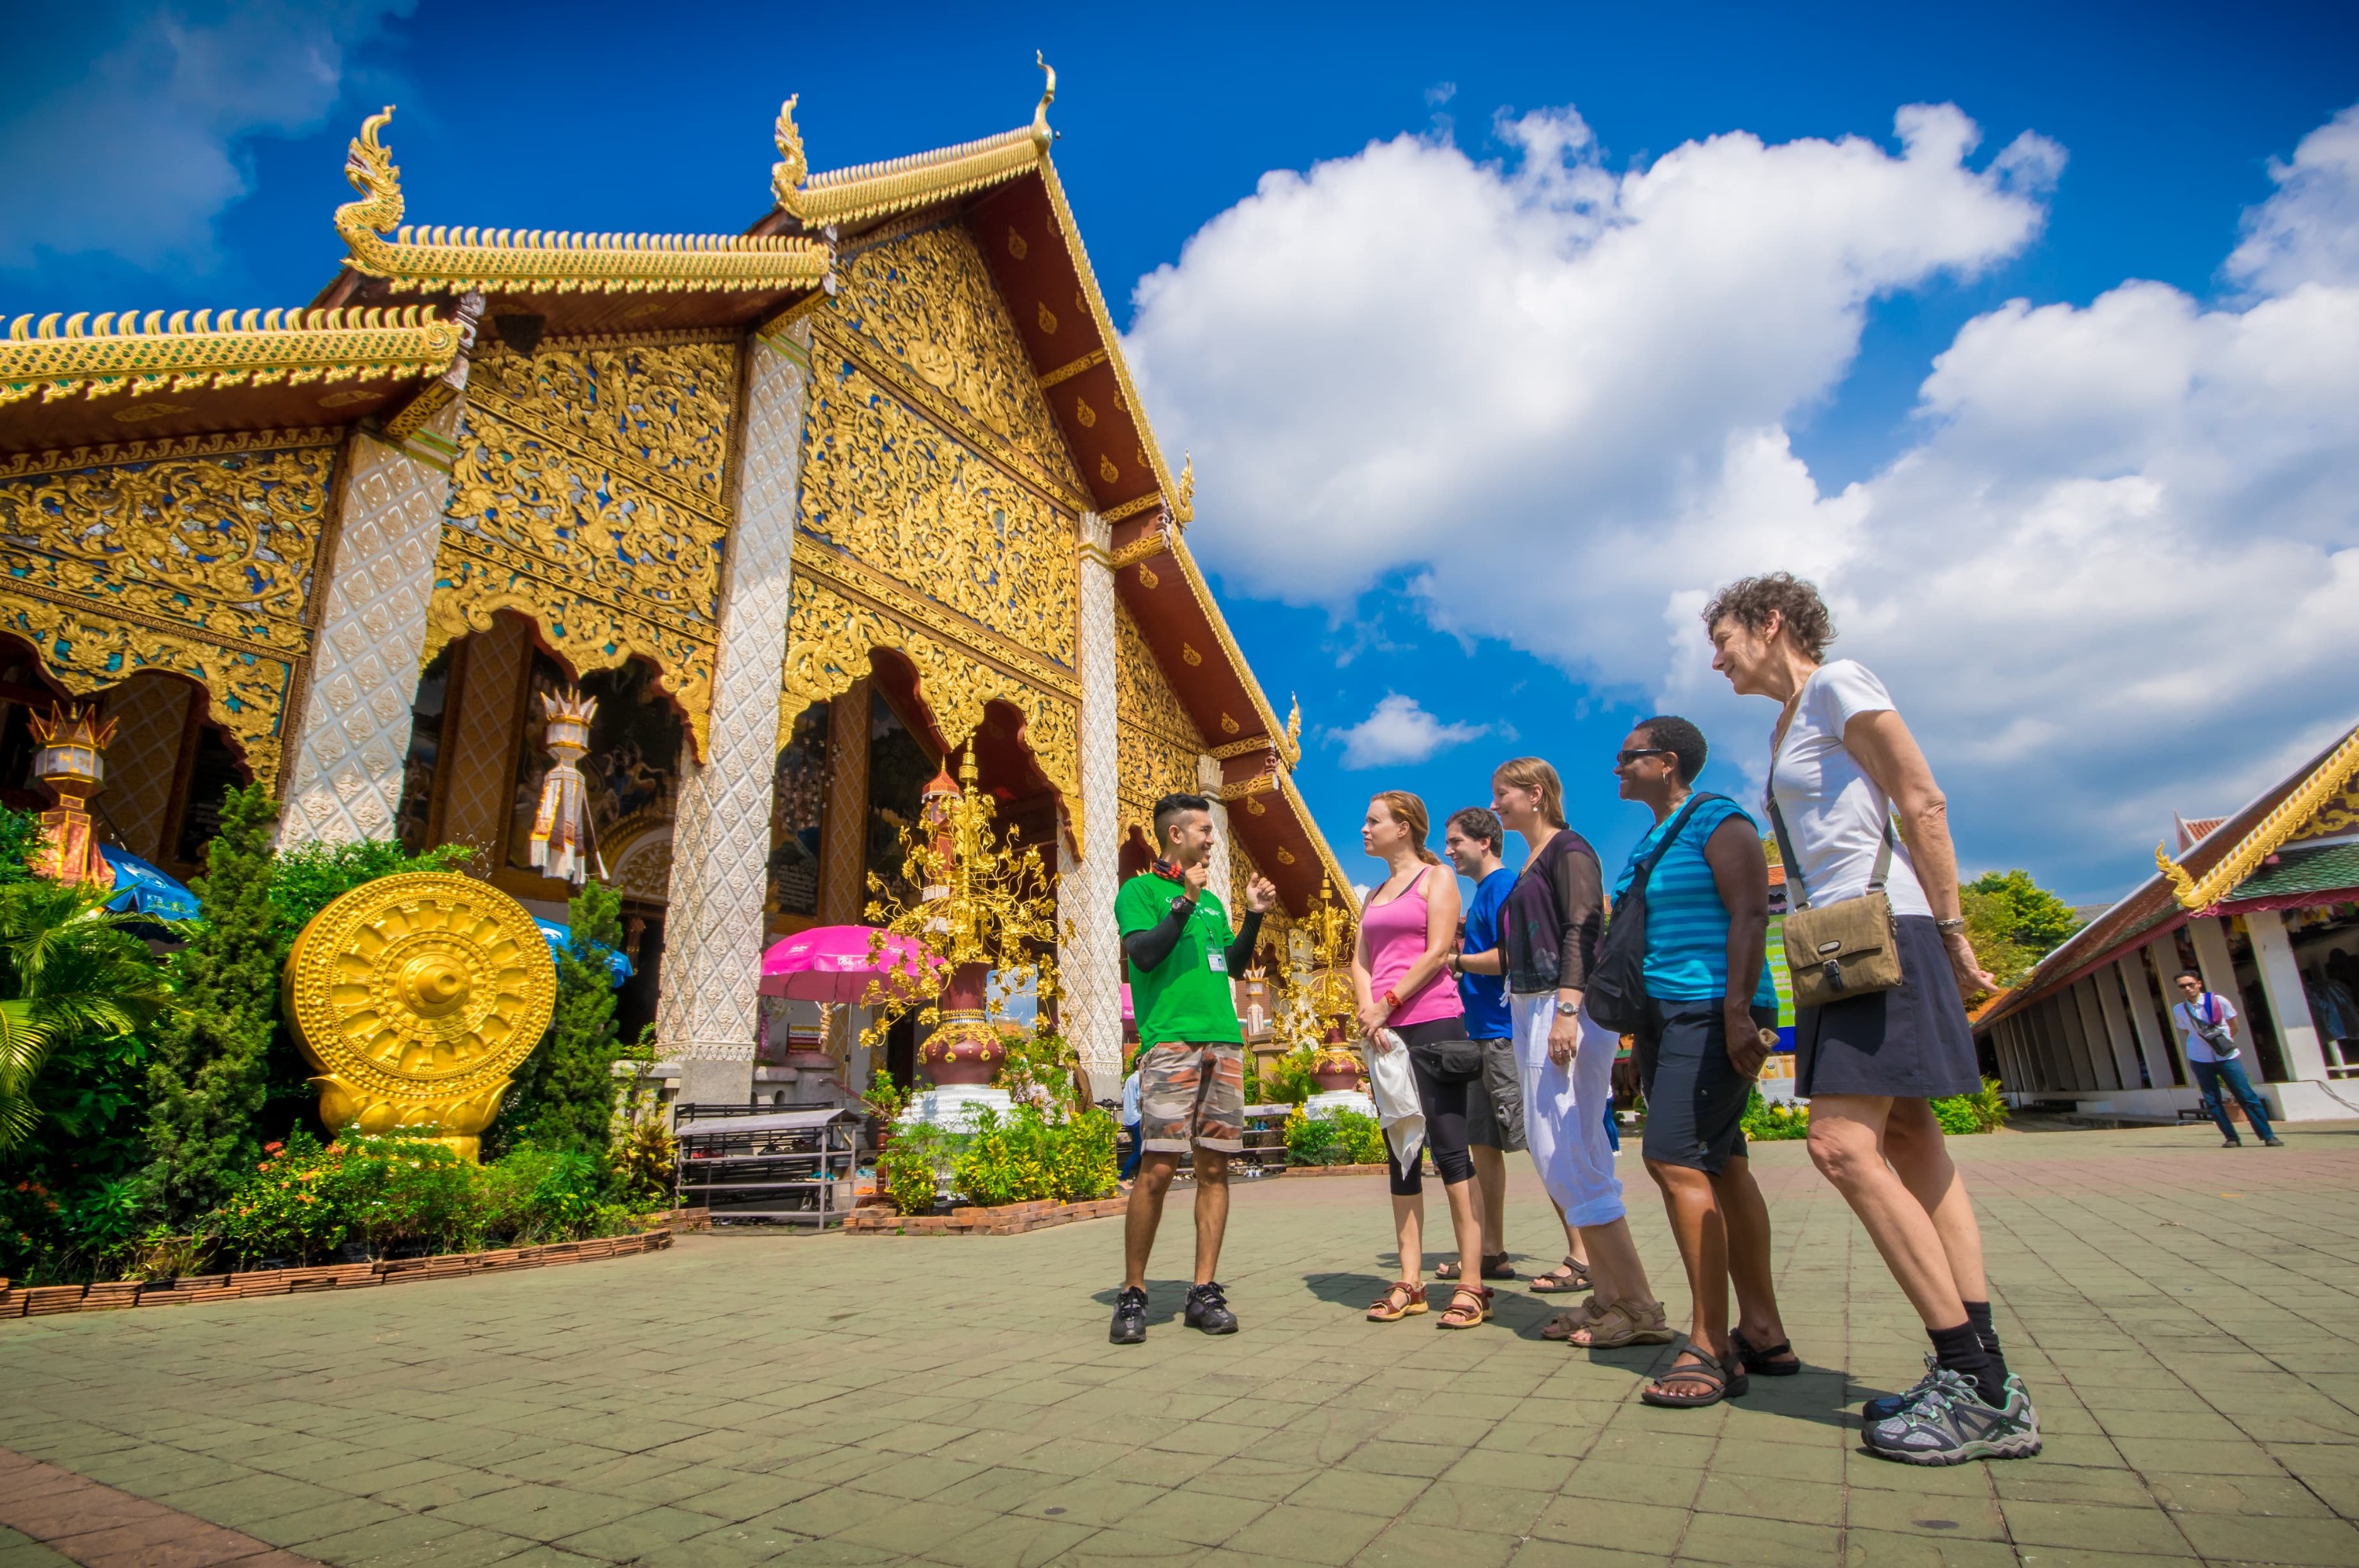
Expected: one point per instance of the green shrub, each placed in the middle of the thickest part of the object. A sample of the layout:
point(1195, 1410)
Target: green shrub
point(1962, 1116)
point(1027, 1157)
point(564, 1093)
point(1287, 1082)
point(1334, 1137)
point(1766, 1121)
point(911, 1159)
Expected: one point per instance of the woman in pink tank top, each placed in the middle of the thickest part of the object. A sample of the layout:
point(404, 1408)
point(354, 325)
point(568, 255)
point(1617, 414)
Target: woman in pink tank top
point(1406, 929)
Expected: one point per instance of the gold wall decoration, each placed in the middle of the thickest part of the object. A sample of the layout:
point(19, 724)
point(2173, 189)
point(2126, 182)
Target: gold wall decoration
point(194, 566)
point(121, 354)
point(892, 491)
point(519, 260)
point(1071, 368)
point(1189, 654)
point(1146, 578)
point(1015, 245)
point(833, 627)
point(1157, 745)
point(1046, 318)
point(1084, 413)
point(925, 307)
point(589, 494)
point(1106, 469)
point(417, 997)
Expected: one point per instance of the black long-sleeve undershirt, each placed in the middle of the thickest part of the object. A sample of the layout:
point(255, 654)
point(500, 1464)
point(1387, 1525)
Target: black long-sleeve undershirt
point(1149, 948)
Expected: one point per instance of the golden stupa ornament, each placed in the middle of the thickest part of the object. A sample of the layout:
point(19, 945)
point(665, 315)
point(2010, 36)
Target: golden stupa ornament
point(71, 766)
point(417, 996)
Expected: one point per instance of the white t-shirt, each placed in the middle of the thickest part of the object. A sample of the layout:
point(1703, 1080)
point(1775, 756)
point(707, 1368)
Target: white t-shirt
point(1130, 1099)
point(1833, 811)
point(2217, 1009)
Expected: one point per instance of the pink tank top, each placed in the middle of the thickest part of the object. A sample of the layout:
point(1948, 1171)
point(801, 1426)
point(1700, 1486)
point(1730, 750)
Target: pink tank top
point(1396, 932)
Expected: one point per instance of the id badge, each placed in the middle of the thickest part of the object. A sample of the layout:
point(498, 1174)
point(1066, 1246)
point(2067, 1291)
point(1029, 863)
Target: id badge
point(1217, 962)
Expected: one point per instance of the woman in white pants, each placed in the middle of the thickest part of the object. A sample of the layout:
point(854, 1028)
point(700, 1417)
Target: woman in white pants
point(1548, 940)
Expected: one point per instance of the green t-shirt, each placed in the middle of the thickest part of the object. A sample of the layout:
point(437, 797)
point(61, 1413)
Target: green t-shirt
point(1186, 997)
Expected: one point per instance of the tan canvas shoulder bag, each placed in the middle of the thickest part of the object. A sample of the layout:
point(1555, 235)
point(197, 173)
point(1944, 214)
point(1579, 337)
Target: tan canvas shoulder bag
point(1849, 948)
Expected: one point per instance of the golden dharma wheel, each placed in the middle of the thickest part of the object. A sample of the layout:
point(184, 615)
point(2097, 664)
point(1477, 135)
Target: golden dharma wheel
point(417, 996)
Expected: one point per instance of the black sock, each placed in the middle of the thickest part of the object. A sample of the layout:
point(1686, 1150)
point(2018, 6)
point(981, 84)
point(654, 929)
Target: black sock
point(1959, 1349)
point(1979, 1314)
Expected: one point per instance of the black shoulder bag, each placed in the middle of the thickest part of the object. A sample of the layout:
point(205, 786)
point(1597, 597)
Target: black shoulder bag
point(1617, 993)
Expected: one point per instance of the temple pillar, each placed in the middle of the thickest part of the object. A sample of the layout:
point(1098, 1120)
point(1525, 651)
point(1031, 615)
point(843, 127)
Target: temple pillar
point(2210, 935)
point(2167, 965)
point(709, 1011)
point(1088, 875)
point(2154, 1040)
point(2118, 1031)
point(1208, 784)
point(2288, 1002)
point(481, 740)
point(844, 819)
point(346, 765)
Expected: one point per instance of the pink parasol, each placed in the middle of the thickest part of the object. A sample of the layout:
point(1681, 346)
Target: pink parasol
point(832, 964)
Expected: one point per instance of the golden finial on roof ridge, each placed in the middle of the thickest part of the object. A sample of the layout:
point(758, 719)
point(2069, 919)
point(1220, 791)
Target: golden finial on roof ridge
point(1041, 133)
point(1183, 505)
point(1294, 732)
point(787, 175)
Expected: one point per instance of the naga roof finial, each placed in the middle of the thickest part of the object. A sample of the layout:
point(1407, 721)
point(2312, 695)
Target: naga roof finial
point(1183, 505)
point(787, 174)
point(2182, 886)
point(1293, 734)
point(1041, 135)
point(369, 167)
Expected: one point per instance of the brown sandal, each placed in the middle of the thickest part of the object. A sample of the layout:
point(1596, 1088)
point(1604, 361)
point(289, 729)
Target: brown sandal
point(1711, 1378)
point(1560, 1326)
point(1475, 1316)
point(1495, 1265)
point(1398, 1302)
point(1568, 1278)
point(1621, 1324)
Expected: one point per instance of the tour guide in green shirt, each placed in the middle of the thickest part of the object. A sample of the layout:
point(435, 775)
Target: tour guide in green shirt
point(1192, 1072)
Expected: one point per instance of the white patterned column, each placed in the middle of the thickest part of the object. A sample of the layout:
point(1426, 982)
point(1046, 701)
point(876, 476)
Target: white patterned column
point(345, 781)
point(1086, 881)
point(709, 1009)
point(1208, 784)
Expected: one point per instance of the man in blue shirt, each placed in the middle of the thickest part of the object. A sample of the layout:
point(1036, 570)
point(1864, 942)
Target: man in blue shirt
point(1495, 1102)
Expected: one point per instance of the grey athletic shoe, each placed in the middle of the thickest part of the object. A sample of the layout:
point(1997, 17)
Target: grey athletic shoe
point(1884, 1406)
point(1948, 1423)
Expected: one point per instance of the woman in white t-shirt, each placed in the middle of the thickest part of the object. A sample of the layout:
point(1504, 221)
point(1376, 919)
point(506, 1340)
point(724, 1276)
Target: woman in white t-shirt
point(1842, 765)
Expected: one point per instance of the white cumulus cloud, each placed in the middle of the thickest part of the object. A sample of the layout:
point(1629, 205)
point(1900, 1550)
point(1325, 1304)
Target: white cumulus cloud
point(137, 144)
point(1397, 732)
point(2113, 568)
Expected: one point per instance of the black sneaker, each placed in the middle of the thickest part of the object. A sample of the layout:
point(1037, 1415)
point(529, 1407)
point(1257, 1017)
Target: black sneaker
point(1948, 1423)
point(1129, 1317)
point(1208, 1309)
point(2232, 1143)
point(2273, 1142)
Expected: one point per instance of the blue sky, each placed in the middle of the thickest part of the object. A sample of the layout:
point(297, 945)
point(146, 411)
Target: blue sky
point(2048, 596)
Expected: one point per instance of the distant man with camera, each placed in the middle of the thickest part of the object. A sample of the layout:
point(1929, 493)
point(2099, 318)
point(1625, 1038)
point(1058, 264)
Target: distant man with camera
point(2209, 1022)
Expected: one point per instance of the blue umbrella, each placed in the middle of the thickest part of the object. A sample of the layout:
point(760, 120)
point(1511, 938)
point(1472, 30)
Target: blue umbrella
point(140, 888)
point(561, 940)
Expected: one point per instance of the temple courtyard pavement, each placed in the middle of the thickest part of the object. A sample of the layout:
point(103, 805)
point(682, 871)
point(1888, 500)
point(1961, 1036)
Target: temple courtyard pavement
point(2187, 1316)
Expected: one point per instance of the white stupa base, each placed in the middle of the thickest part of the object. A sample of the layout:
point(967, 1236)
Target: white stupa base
point(1330, 1100)
point(952, 1107)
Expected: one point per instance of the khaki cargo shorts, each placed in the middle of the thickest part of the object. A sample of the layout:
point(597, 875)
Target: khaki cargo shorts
point(1190, 1093)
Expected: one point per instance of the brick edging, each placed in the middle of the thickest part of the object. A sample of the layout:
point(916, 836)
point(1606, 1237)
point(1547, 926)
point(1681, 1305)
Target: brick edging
point(45, 1301)
point(1007, 1219)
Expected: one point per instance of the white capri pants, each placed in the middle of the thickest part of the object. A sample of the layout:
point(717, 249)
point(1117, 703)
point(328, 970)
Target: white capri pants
point(1564, 1112)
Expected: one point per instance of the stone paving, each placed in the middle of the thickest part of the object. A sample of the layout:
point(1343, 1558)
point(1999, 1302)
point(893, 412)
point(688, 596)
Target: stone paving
point(2185, 1316)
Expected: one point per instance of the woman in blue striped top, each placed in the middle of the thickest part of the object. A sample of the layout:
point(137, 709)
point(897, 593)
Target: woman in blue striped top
point(1711, 1015)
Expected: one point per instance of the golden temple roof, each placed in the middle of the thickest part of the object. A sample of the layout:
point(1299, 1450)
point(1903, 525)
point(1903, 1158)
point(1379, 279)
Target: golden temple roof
point(2323, 782)
point(872, 190)
point(446, 260)
point(120, 353)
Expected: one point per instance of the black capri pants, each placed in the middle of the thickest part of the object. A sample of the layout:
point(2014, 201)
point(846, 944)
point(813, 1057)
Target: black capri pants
point(1445, 1114)
point(1695, 1096)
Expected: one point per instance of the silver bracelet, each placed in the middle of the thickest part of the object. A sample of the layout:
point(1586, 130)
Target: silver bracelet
point(1949, 927)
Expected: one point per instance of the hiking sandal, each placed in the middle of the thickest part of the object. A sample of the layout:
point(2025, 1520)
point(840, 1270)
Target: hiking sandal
point(1396, 1303)
point(1619, 1324)
point(1707, 1376)
point(1494, 1266)
point(1568, 1278)
point(1765, 1360)
point(1560, 1326)
point(1461, 1314)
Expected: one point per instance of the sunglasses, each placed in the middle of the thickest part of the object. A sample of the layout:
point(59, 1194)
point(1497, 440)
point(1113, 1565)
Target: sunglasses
point(1625, 758)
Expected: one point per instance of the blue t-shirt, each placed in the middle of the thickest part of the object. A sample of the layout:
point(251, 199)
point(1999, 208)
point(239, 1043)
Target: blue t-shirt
point(1687, 925)
point(1484, 997)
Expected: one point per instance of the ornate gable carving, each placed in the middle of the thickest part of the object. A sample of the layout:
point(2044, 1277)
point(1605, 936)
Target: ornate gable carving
point(1156, 743)
point(589, 494)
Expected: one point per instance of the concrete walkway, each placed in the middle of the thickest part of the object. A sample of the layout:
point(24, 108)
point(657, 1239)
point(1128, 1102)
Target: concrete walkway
point(2188, 1319)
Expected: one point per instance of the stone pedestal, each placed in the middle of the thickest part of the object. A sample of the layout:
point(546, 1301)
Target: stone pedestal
point(1330, 1100)
point(952, 1107)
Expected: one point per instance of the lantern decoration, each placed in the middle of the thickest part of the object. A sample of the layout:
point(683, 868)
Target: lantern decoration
point(981, 929)
point(561, 827)
point(70, 765)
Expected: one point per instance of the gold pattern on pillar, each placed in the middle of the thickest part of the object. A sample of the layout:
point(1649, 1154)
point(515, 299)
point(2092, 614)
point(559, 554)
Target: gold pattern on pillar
point(69, 766)
point(192, 557)
point(151, 716)
point(560, 827)
point(589, 494)
point(843, 845)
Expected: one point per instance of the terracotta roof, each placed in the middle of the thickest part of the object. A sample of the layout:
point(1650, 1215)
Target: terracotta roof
point(2192, 829)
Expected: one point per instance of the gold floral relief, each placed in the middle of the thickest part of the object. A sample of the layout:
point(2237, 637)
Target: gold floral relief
point(892, 490)
point(927, 300)
point(2338, 816)
point(830, 636)
point(200, 566)
point(587, 494)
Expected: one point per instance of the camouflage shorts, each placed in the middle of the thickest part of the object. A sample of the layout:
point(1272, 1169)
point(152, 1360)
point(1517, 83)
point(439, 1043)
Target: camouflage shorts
point(1191, 1094)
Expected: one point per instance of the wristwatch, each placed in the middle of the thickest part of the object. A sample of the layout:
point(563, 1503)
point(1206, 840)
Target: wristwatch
point(1183, 904)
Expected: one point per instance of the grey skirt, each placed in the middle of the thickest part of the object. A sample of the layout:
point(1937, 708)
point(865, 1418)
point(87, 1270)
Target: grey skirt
point(1910, 1042)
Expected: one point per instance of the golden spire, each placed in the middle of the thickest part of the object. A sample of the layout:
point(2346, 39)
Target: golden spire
point(1183, 507)
point(787, 174)
point(1041, 135)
